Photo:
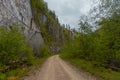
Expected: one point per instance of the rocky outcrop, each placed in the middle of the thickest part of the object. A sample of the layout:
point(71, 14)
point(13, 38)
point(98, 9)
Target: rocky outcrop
point(19, 11)
point(32, 18)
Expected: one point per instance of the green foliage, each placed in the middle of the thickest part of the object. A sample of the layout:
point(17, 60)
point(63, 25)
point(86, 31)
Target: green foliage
point(71, 50)
point(110, 39)
point(102, 45)
point(2, 76)
point(51, 29)
point(14, 72)
point(39, 4)
point(44, 50)
point(13, 47)
point(14, 53)
point(99, 72)
point(99, 50)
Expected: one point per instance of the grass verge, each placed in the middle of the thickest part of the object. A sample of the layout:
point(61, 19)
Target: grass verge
point(100, 72)
point(18, 73)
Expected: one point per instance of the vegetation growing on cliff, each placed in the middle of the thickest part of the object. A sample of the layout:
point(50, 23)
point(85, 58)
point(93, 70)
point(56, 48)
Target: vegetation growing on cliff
point(52, 31)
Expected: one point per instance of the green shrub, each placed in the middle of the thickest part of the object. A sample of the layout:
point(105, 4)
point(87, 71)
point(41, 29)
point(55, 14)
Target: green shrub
point(13, 47)
point(44, 51)
point(14, 72)
point(2, 76)
point(101, 46)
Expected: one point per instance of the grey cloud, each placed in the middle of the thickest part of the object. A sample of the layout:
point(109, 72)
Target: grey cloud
point(69, 11)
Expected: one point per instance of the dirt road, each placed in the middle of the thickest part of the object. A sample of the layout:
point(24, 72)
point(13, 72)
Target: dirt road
point(56, 69)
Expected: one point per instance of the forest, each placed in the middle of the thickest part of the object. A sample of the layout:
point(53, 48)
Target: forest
point(97, 44)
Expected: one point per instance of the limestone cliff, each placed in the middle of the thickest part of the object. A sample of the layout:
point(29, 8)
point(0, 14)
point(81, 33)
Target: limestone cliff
point(39, 24)
point(19, 12)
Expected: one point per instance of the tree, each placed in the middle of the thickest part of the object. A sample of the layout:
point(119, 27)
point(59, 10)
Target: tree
point(13, 47)
point(85, 26)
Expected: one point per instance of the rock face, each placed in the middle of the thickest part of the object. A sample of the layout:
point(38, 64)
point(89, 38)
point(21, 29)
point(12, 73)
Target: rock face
point(19, 11)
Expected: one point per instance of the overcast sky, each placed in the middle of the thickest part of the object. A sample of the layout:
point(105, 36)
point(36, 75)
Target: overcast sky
point(69, 11)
